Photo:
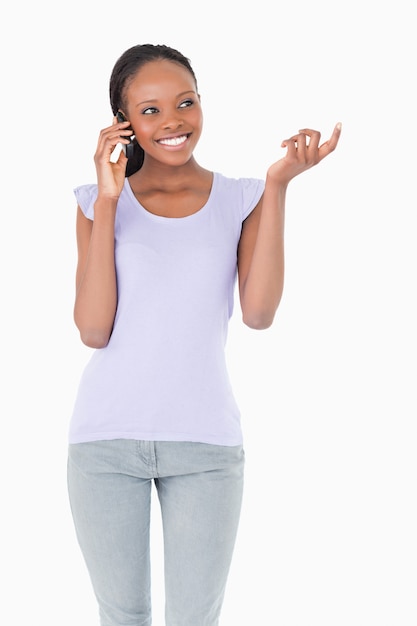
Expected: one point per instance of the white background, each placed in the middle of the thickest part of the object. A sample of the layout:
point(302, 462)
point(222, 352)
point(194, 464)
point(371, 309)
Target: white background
point(328, 394)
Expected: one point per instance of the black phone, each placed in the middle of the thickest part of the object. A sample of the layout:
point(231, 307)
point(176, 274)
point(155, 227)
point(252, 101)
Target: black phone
point(129, 148)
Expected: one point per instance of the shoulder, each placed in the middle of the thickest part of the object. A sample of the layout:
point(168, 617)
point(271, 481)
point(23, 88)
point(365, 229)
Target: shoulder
point(246, 192)
point(86, 196)
point(238, 184)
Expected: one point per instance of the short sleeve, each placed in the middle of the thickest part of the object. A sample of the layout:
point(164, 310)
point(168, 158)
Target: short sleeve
point(252, 190)
point(86, 196)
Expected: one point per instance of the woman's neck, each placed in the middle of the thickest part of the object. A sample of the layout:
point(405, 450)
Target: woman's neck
point(154, 175)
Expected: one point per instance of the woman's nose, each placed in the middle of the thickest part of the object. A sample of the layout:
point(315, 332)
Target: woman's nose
point(173, 120)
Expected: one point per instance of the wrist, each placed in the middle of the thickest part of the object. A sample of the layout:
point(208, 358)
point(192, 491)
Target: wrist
point(105, 206)
point(276, 183)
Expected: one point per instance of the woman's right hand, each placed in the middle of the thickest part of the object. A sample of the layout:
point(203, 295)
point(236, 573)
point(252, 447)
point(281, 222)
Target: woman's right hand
point(111, 175)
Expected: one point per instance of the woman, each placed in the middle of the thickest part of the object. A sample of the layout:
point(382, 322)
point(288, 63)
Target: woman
point(161, 241)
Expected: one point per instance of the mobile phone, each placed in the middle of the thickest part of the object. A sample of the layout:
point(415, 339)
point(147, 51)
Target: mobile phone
point(129, 148)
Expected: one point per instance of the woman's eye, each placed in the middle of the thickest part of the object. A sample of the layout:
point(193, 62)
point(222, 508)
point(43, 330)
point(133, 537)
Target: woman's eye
point(149, 111)
point(186, 103)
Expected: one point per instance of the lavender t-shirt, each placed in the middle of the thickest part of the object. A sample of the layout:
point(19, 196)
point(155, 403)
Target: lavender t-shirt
point(163, 374)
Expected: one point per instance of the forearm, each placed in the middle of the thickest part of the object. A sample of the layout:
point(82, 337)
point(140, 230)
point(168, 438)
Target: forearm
point(262, 290)
point(96, 296)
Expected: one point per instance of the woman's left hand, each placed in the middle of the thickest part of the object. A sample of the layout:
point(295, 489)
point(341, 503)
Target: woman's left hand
point(303, 151)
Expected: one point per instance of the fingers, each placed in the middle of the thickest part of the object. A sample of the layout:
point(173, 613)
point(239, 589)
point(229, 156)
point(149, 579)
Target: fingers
point(331, 144)
point(305, 145)
point(121, 130)
point(110, 137)
point(311, 138)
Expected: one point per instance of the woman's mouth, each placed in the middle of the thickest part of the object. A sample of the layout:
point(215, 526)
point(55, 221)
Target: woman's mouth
point(173, 141)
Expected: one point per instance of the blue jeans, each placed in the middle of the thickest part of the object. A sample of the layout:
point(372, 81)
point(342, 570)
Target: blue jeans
point(199, 488)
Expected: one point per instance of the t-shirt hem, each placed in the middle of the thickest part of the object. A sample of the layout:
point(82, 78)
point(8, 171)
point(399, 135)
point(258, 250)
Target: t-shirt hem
point(178, 437)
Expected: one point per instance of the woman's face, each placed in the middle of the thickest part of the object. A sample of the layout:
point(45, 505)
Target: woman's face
point(164, 110)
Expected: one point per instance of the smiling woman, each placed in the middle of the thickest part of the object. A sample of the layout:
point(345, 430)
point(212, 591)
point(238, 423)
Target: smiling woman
point(155, 94)
point(161, 242)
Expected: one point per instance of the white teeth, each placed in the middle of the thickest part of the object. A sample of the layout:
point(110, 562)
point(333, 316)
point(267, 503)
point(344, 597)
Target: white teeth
point(175, 141)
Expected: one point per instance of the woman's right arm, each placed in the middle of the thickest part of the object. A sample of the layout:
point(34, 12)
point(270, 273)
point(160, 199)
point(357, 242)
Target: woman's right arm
point(96, 287)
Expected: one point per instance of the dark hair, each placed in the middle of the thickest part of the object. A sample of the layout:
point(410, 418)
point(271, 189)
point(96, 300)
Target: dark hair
point(125, 70)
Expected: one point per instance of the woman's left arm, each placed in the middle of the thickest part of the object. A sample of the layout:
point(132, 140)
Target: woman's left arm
point(261, 246)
